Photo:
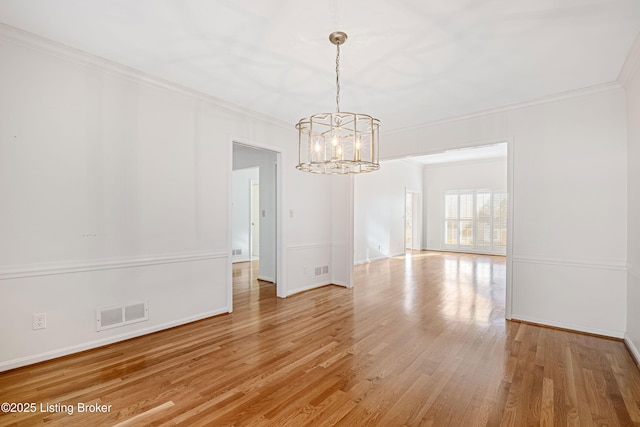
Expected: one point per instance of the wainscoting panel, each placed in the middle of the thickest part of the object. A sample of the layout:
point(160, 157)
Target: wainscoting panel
point(178, 290)
point(341, 262)
point(632, 336)
point(571, 294)
point(308, 266)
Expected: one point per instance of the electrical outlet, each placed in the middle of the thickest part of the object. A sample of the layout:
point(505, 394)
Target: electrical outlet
point(40, 321)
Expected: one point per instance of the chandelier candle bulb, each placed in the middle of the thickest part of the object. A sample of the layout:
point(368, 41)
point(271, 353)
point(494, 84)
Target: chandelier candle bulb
point(340, 142)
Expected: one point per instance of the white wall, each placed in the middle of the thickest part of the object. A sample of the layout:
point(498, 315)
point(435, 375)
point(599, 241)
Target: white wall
point(245, 157)
point(633, 191)
point(488, 174)
point(310, 246)
point(342, 208)
point(379, 223)
point(569, 197)
point(115, 188)
point(242, 180)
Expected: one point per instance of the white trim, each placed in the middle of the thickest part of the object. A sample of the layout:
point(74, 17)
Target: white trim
point(474, 248)
point(631, 64)
point(309, 287)
point(239, 260)
point(229, 230)
point(31, 41)
point(369, 260)
point(563, 96)
point(351, 231)
point(48, 270)
point(632, 349)
point(23, 361)
point(601, 265)
point(470, 251)
point(455, 163)
point(343, 285)
point(570, 326)
point(508, 303)
point(412, 162)
point(281, 253)
point(311, 246)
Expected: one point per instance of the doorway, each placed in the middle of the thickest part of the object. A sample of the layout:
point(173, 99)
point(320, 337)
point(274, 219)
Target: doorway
point(408, 222)
point(261, 223)
point(412, 216)
point(482, 168)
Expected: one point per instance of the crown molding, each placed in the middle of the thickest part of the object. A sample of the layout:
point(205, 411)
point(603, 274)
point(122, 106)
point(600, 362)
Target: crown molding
point(631, 64)
point(410, 161)
point(43, 45)
point(558, 97)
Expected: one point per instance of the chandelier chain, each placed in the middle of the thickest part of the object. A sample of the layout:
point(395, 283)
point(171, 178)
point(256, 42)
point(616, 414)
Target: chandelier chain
point(338, 78)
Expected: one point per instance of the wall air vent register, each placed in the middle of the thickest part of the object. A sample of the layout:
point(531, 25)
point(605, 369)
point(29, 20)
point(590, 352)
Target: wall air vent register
point(120, 315)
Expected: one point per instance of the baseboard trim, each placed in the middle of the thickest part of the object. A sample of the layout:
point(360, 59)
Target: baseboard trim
point(635, 354)
point(633, 271)
point(308, 288)
point(569, 327)
point(54, 354)
point(342, 285)
point(469, 251)
point(370, 260)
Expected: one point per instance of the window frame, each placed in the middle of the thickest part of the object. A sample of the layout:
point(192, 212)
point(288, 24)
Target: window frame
point(467, 239)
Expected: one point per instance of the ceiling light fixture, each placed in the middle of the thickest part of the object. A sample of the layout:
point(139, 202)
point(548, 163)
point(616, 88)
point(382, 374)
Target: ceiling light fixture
point(338, 143)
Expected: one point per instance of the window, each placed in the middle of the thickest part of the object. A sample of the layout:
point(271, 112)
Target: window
point(476, 219)
point(451, 223)
point(500, 219)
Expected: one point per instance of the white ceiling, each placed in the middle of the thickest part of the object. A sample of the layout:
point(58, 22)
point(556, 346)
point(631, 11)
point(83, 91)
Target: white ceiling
point(406, 61)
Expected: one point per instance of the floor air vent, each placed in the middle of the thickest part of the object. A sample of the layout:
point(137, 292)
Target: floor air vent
point(119, 315)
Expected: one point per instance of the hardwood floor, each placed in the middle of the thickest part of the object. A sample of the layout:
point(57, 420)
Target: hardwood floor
point(417, 341)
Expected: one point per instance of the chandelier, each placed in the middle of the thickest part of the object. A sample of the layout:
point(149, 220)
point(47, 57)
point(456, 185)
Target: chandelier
point(338, 143)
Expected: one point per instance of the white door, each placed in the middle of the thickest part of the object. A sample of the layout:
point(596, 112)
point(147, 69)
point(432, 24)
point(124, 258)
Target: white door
point(255, 220)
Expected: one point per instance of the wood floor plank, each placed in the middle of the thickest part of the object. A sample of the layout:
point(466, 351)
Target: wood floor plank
point(546, 411)
point(419, 340)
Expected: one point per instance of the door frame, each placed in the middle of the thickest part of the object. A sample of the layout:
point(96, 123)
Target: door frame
point(281, 285)
point(510, 141)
